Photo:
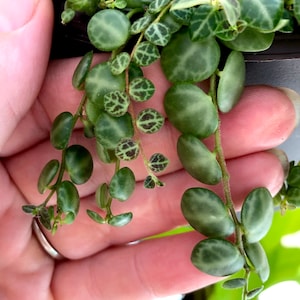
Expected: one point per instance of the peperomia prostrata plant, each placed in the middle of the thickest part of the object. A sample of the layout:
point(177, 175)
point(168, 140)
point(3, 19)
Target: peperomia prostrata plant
point(194, 40)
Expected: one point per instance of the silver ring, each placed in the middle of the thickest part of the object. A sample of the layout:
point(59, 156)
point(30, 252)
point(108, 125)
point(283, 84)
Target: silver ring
point(47, 247)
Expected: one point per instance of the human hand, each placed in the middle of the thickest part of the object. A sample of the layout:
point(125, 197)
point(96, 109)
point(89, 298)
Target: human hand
point(100, 264)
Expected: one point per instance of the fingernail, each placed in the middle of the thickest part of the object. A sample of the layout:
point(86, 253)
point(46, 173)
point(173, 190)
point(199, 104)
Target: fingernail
point(283, 158)
point(295, 99)
point(15, 14)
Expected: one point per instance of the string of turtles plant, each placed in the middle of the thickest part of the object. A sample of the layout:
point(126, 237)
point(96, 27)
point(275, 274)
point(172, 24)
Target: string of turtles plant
point(195, 40)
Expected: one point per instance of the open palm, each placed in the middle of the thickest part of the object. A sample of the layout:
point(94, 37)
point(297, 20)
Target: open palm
point(100, 263)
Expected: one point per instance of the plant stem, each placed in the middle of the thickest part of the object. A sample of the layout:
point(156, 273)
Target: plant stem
point(221, 159)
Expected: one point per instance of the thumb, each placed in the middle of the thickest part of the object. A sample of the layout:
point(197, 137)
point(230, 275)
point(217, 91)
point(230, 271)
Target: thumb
point(25, 38)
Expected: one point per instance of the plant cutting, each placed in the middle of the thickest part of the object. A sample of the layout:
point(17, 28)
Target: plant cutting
point(195, 40)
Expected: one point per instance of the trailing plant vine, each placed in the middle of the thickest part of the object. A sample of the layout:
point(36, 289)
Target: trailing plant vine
point(195, 40)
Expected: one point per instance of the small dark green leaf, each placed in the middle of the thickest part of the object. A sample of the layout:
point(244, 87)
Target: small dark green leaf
point(253, 293)
point(141, 89)
point(108, 29)
point(134, 71)
point(95, 217)
point(79, 163)
point(158, 162)
point(120, 63)
point(257, 214)
point(127, 149)
point(145, 54)
point(116, 103)
point(206, 212)
point(120, 220)
point(44, 218)
point(81, 70)
point(157, 5)
point(235, 283)
point(67, 198)
point(198, 161)
point(149, 120)
point(111, 130)
point(122, 184)
point(149, 182)
point(61, 130)
point(47, 175)
point(158, 34)
point(217, 257)
point(30, 209)
point(141, 24)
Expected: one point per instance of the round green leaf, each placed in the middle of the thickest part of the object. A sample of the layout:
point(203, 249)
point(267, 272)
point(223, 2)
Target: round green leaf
point(158, 34)
point(186, 105)
point(149, 120)
point(79, 164)
point(145, 54)
point(108, 29)
point(122, 184)
point(250, 40)
point(47, 175)
point(61, 130)
point(141, 89)
point(231, 83)
point(199, 162)
point(116, 103)
point(111, 130)
point(206, 212)
point(259, 260)
point(120, 220)
point(257, 214)
point(184, 60)
point(67, 198)
point(127, 149)
point(100, 81)
point(81, 70)
point(217, 257)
